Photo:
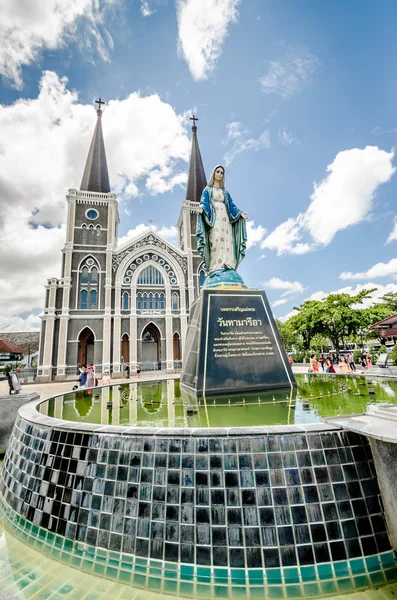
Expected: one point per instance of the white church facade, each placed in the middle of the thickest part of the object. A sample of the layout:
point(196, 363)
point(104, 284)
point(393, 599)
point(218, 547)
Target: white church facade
point(119, 305)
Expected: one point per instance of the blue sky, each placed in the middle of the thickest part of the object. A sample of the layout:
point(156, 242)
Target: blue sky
point(297, 99)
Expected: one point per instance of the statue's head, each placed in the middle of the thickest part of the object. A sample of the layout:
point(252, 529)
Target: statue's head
point(217, 176)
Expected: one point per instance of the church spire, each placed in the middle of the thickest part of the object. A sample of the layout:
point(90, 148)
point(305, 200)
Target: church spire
point(96, 176)
point(196, 180)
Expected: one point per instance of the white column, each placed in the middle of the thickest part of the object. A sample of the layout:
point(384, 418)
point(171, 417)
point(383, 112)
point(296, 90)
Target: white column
point(133, 331)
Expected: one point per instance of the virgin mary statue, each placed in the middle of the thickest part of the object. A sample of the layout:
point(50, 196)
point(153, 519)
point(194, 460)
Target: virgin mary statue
point(221, 233)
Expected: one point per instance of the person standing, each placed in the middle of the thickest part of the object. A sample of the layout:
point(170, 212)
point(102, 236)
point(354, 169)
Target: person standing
point(90, 380)
point(350, 361)
point(314, 363)
point(127, 371)
point(368, 362)
point(106, 378)
point(83, 376)
point(322, 361)
point(344, 366)
point(329, 365)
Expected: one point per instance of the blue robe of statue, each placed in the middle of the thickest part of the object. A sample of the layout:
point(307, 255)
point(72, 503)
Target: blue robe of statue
point(207, 219)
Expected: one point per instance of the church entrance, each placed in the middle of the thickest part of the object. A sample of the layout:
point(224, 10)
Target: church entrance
point(176, 346)
point(86, 347)
point(151, 350)
point(125, 349)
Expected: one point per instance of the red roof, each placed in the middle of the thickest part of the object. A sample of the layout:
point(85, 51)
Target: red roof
point(6, 346)
point(388, 321)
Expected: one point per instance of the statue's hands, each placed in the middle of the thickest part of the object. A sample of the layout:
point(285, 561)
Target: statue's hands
point(244, 215)
point(200, 209)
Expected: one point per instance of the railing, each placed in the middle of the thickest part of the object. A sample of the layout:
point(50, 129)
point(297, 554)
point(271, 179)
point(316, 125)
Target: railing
point(27, 375)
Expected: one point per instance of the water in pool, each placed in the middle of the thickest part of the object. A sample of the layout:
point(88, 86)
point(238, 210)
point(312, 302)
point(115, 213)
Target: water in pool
point(164, 404)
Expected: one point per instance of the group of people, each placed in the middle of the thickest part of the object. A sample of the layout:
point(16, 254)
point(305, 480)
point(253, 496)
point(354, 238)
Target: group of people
point(343, 362)
point(87, 377)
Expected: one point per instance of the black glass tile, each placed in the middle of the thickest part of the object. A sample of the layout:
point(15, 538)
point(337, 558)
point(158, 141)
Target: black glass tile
point(382, 542)
point(203, 555)
point(171, 551)
point(173, 495)
point(364, 470)
point(283, 515)
point(215, 462)
point(285, 536)
point(158, 493)
point(368, 545)
point(353, 548)
point(288, 556)
point(187, 478)
point(275, 461)
point(318, 532)
point(237, 557)
point(340, 491)
point(142, 529)
point(314, 513)
point(295, 495)
point(314, 441)
point(187, 514)
point(231, 479)
point(248, 497)
point(157, 549)
point(202, 496)
point(201, 446)
point(305, 555)
point(350, 472)
point(253, 557)
point(289, 460)
point(271, 557)
point(269, 536)
point(217, 496)
point(186, 553)
point(187, 461)
point(304, 459)
point(330, 511)
point(373, 504)
point(245, 461)
point(174, 461)
point(202, 463)
point(260, 461)
point(321, 553)
point(203, 535)
point(232, 497)
point(266, 516)
point(130, 526)
point(286, 443)
point(235, 536)
point(277, 477)
point(311, 494)
point(252, 536)
point(378, 523)
point(172, 513)
point(292, 477)
point(219, 536)
point(219, 556)
point(307, 476)
point(247, 479)
point(280, 496)
point(300, 442)
point(187, 496)
point(218, 516)
point(272, 444)
point(250, 516)
point(298, 515)
point(202, 515)
point(234, 516)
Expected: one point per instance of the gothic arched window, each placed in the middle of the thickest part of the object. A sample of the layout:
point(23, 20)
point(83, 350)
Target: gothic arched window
point(93, 298)
point(175, 301)
point(162, 300)
point(139, 300)
point(156, 301)
point(84, 233)
point(83, 299)
point(126, 301)
point(150, 276)
point(89, 284)
point(144, 301)
point(201, 278)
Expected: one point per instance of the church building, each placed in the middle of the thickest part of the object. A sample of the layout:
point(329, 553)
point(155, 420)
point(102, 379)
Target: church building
point(120, 305)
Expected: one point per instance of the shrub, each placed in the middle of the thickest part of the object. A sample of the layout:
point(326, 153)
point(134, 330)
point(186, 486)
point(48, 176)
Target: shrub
point(383, 349)
point(356, 355)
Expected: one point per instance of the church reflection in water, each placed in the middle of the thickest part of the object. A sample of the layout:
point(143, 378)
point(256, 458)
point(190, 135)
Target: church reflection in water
point(164, 404)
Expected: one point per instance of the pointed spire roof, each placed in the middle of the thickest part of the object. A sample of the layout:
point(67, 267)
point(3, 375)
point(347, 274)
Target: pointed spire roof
point(196, 180)
point(96, 176)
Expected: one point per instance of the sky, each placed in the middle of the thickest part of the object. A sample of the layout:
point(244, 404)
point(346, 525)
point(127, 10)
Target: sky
point(297, 99)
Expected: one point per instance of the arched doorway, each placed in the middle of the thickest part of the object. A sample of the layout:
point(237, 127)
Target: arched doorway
point(86, 347)
point(151, 349)
point(177, 346)
point(125, 348)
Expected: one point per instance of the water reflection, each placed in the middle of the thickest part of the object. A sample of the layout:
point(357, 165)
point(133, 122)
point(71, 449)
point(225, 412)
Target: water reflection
point(164, 404)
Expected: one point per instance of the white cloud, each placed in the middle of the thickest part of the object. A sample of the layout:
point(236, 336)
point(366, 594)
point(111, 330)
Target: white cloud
point(279, 302)
point(285, 138)
point(202, 30)
point(169, 233)
point(237, 136)
point(344, 198)
point(146, 9)
point(254, 234)
point(393, 233)
point(27, 28)
point(379, 270)
point(289, 75)
point(290, 287)
point(43, 148)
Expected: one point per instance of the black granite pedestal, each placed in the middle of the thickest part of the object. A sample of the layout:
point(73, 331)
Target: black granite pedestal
point(233, 345)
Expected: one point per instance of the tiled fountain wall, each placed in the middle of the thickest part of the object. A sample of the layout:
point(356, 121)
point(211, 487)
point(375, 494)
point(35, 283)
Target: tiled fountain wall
point(281, 513)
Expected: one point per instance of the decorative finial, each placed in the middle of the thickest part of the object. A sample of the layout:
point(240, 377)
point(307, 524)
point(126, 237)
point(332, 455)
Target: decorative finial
point(99, 102)
point(150, 221)
point(194, 119)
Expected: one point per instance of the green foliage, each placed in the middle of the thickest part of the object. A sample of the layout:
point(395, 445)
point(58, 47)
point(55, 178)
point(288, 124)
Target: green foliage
point(286, 334)
point(298, 357)
point(383, 349)
point(390, 301)
point(356, 355)
point(393, 356)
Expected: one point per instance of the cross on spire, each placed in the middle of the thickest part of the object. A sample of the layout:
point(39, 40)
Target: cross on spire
point(194, 119)
point(99, 102)
point(150, 223)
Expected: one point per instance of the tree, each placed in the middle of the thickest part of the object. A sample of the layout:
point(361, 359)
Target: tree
point(307, 321)
point(339, 320)
point(287, 335)
point(390, 301)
